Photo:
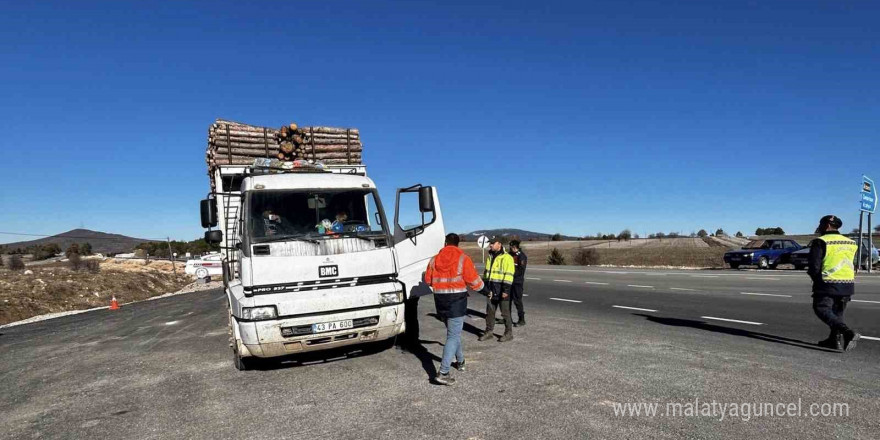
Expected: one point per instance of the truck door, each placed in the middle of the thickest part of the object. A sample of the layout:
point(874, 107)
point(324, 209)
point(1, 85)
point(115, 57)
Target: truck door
point(418, 235)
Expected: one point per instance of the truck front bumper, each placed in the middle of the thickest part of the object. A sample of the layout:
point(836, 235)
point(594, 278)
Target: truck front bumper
point(279, 337)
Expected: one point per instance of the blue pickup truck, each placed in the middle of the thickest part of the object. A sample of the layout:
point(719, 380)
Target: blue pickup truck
point(766, 254)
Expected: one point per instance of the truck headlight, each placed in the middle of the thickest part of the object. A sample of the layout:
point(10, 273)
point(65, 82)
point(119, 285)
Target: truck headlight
point(259, 313)
point(390, 298)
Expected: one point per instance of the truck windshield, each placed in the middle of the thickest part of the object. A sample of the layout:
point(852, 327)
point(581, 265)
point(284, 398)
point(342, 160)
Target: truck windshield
point(314, 215)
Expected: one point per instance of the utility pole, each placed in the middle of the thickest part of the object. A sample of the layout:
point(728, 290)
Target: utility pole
point(171, 255)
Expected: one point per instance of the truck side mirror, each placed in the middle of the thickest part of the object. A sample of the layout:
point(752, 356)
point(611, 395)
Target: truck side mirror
point(213, 237)
point(426, 199)
point(209, 213)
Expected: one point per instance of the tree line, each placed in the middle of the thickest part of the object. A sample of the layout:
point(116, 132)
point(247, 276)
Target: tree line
point(160, 248)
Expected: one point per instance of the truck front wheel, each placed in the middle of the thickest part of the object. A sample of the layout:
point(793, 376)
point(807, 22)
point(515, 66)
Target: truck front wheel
point(763, 263)
point(241, 363)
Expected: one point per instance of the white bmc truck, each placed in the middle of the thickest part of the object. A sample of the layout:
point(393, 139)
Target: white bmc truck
point(310, 260)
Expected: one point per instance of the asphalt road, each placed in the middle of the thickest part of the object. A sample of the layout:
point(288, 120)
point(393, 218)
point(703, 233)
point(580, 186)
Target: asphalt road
point(595, 338)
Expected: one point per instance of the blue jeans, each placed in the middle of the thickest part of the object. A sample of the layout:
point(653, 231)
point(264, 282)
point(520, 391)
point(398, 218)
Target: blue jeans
point(453, 343)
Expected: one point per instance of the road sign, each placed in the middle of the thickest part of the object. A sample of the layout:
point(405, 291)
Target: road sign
point(869, 195)
point(483, 242)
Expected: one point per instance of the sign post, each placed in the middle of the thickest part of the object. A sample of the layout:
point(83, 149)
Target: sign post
point(869, 205)
point(483, 242)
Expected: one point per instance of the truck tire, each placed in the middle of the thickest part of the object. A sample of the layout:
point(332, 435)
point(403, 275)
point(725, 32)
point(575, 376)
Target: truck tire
point(763, 263)
point(734, 265)
point(241, 363)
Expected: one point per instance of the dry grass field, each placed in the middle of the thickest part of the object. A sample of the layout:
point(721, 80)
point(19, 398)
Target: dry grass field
point(56, 288)
point(676, 252)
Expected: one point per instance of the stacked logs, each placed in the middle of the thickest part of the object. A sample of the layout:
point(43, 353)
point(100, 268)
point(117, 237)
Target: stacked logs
point(235, 143)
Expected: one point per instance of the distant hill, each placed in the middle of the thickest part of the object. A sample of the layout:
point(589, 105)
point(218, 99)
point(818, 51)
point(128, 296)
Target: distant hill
point(510, 232)
point(101, 242)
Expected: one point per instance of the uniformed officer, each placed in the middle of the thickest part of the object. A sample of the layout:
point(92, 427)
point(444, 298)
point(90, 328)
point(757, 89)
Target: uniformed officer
point(498, 277)
point(520, 261)
point(833, 274)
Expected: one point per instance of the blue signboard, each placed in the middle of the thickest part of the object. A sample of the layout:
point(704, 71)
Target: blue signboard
point(869, 195)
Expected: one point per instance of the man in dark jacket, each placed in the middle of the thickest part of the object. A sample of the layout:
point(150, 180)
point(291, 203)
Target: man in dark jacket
point(520, 261)
point(831, 269)
point(450, 273)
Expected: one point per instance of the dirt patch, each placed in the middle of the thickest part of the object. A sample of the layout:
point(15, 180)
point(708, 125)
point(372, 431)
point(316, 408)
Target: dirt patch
point(59, 289)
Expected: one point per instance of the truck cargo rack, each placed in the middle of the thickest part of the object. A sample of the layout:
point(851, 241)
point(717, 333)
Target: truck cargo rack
point(262, 171)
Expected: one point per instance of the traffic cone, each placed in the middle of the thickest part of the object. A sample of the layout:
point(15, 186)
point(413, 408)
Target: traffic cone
point(114, 305)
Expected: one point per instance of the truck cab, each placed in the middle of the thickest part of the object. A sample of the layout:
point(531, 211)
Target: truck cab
point(311, 261)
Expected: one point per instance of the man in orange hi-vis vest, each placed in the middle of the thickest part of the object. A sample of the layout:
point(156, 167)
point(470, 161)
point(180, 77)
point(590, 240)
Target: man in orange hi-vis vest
point(450, 273)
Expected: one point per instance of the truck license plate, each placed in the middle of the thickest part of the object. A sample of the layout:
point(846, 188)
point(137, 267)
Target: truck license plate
point(332, 326)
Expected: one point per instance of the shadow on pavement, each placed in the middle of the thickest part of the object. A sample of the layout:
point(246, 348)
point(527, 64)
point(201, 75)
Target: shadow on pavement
point(702, 325)
point(466, 327)
point(322, 357)
point(473, 312)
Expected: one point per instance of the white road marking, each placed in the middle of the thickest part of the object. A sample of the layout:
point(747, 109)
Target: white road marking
point(525, 294)
point(704, 276)
point(764, 294)
point(864, 301)
point(634, 308)
point(616, 273)
point(562, 281)
point(566, 300)
point(596, 283)
point(532, 278)
point(731, 320)
point(636, 285)
point(656, 274)
point(870, 338)
point(171, 322)
point(762, 278)
point(683, 289)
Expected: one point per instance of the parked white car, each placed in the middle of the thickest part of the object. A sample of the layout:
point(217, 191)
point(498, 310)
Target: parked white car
point(206, 266)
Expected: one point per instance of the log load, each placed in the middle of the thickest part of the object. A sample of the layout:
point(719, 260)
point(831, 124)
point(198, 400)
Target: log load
point(236, 143)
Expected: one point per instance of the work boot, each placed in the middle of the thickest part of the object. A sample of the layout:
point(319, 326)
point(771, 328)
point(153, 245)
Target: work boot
point(521, 322)
point(850, 337)
point(459, 365)
point(486, 336)
point(444, 379)
point(508, 336)
point(834, 341)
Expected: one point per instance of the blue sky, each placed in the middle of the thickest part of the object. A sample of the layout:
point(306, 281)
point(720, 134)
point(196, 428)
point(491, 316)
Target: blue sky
point(577, 117)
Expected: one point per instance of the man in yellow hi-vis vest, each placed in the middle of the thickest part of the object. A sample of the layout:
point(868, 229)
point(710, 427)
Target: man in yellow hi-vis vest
point(498, 277)
point(833, 274)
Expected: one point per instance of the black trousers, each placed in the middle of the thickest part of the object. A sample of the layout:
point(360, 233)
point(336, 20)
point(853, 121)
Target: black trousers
point(411, 318)
point(830, 310)
point(516, 295)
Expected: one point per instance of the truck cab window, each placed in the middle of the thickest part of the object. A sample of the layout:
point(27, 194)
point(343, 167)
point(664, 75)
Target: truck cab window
point(409, 216)
point(290, 215)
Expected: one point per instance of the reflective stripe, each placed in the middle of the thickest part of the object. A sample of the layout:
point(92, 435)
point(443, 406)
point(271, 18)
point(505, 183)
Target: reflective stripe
point(450, 290)
point(448, 280)
point(839, 266)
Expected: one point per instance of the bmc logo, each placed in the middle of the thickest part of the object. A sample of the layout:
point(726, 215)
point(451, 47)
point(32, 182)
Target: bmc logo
point(328, 271)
